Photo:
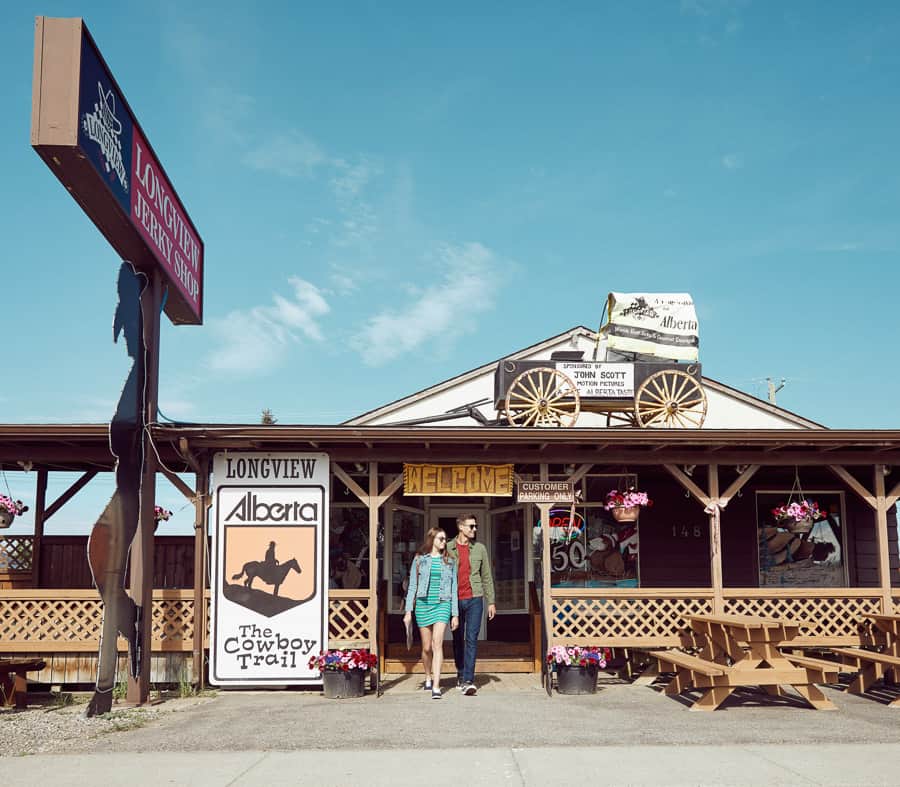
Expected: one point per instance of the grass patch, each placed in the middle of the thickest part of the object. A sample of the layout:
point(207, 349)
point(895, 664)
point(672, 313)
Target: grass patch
point(123, 720)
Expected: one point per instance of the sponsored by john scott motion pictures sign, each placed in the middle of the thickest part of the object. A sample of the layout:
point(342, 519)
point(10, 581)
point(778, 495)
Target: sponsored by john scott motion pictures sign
point(269, 599)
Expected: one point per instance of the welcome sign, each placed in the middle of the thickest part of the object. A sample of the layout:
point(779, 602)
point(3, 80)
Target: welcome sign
point(86, 133)
point(269, 593)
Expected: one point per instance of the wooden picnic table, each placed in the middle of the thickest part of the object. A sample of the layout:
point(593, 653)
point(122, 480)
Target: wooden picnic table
point(746, 651)
point(871, 664)
point(13, 682)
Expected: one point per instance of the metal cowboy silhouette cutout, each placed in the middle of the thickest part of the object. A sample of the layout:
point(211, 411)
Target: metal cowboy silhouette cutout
point(109, 543)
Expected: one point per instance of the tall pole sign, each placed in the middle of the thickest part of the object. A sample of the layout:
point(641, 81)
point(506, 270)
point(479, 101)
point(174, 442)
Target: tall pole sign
point(84, 130)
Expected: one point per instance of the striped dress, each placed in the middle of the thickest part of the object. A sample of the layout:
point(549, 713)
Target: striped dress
point(431, 609)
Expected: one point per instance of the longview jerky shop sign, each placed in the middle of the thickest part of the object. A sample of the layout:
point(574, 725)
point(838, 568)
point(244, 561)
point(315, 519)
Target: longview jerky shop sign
point(270, 597)
point(85, 131)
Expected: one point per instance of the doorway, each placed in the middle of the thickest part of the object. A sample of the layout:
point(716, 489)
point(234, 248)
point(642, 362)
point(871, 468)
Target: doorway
point(444, 517)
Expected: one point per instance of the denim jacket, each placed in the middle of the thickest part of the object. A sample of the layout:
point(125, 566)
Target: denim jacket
point(418, 583)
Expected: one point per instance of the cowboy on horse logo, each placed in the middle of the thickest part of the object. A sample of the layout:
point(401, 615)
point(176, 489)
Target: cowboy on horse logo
point(268, 570)
point(269, 586)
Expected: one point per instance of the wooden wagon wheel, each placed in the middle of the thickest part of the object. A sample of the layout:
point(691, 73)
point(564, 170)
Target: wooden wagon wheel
point(671, 399)
point(542, 397)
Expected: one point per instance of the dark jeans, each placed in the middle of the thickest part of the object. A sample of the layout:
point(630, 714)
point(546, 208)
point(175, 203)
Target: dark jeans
point(465, 638)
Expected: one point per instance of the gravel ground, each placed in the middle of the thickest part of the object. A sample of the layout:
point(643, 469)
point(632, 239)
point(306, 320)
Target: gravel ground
point(508, 711)
point(48, 727)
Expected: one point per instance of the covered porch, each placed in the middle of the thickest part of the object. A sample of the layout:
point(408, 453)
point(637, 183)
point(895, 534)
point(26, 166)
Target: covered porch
point(698, 551)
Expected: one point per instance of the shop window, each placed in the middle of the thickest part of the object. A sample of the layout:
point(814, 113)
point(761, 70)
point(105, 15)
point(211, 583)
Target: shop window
point(408, 530)
point(806, 553)
point(348, 550)
point(591, 549)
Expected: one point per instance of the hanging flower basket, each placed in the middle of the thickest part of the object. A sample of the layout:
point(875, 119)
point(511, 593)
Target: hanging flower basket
point(799, 516)
point(9, 510)
point(344, 685)
point(626, 506)
point(621, 514)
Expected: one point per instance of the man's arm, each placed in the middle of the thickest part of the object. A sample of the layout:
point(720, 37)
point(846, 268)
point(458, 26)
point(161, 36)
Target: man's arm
point(487, 583)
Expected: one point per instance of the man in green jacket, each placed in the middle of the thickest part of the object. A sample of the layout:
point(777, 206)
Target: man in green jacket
point(476, 586)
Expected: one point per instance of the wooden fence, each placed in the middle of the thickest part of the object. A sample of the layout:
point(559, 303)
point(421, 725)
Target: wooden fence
point(64, 562)
point(63, 628)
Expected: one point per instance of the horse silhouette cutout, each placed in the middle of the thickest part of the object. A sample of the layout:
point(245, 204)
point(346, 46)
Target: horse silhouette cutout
point(268, 573)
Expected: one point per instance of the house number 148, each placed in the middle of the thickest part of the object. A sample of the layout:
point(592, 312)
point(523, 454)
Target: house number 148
point(687, 531)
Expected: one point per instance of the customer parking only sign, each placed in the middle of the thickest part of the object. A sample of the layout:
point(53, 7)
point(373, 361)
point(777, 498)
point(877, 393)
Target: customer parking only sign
point(269, 596)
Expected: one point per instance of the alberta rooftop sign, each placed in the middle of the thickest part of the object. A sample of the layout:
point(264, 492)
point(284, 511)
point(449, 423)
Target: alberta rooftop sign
point(83, 128)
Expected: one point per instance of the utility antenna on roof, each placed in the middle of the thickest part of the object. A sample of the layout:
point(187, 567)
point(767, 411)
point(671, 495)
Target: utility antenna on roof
point(773, 389)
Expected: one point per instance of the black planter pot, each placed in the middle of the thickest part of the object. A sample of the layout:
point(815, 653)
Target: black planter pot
point(339, 685)
point(576, 680)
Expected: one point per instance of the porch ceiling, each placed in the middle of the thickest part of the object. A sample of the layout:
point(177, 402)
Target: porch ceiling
point(598, 446)
point(86, 446)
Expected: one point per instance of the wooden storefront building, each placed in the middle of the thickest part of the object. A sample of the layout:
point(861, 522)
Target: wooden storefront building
point(702, 547)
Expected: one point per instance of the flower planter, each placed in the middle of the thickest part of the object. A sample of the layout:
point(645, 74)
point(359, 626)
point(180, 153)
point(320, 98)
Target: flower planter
point(340, 685)
point(6, 518)
point(576, 680)
point(626, 514)
point(803, 525)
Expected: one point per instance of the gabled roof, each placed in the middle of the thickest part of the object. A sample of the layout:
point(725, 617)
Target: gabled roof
point(578, 334)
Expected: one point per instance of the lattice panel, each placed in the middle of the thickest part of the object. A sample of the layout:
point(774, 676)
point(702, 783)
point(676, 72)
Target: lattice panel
point(348, 619)
point(15, 553)
point(826, 617)
point(173, 621)
point(45, 621)
point(624, 618)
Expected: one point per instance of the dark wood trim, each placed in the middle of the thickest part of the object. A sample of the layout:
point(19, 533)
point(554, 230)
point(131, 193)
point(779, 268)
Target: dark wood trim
point(66, 496)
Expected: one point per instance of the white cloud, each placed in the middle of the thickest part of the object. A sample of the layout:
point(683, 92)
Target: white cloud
point(439, 314)
point(291, 155)
point(733, 161)
point(255, 340)
point(839, 247)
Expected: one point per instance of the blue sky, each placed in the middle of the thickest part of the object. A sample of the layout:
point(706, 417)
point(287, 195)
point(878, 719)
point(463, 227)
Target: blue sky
point(390, 194)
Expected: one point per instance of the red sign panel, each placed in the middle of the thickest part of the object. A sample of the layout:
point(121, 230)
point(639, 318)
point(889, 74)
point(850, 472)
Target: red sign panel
point(85, 131)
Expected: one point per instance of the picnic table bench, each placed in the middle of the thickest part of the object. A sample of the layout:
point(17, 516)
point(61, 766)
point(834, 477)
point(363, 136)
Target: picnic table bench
point(743, 650)
point(13, 681)
point(871, 665)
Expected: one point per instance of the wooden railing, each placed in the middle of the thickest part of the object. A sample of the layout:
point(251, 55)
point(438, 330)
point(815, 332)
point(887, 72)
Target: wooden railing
point(648, 617)
point(68, 621)
point(50, 621)
point(65, 621)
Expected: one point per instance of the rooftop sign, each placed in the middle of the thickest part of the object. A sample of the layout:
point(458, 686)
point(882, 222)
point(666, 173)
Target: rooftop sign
point(83, 128)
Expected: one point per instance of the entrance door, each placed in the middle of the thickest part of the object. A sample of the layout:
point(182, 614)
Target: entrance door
point(444, 517)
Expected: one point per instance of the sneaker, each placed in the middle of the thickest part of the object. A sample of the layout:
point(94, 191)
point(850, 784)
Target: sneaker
point(435, 694)
point(428, 685)
point(470, 689)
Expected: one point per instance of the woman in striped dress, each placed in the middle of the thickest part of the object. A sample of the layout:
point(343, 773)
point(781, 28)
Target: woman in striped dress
point(433, 595)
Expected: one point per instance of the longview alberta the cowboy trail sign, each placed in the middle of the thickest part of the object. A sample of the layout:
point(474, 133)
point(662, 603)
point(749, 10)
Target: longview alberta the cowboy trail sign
point(83, 128)
point(269, 589)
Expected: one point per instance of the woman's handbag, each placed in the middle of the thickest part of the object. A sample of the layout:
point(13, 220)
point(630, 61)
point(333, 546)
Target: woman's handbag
point(409, 628)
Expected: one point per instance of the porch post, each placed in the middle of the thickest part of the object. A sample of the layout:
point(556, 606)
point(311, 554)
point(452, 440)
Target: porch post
point(201, 517)
point(40, 505)
point(373, 504)
point(881, 535)
point(715, 540)
point(546, 601)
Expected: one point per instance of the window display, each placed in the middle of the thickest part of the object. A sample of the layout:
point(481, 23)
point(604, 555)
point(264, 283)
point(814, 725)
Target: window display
point(801, 542)
point(589, 546)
